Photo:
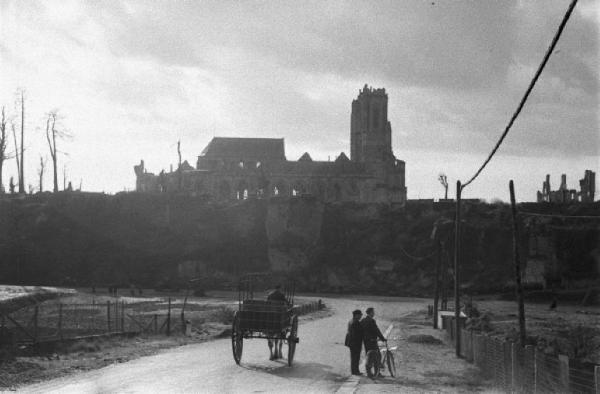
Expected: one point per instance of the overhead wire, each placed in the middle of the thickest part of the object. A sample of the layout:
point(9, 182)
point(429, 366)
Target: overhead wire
point(527, 92)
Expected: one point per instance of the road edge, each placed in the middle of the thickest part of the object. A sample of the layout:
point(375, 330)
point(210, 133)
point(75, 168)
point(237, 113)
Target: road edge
point(349, 386)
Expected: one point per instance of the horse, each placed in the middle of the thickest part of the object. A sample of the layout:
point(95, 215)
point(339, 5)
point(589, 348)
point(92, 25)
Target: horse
point(275, 344)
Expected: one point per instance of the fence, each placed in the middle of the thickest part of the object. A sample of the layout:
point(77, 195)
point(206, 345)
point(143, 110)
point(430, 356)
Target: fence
point(309, 308)
point(53, 320)
point(518, 369)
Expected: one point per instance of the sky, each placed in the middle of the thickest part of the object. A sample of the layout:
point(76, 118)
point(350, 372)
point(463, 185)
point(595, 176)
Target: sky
point(131, 78)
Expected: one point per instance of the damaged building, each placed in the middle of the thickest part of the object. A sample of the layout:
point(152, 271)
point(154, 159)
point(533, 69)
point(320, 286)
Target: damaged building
point(587, 189)
point(241, 168)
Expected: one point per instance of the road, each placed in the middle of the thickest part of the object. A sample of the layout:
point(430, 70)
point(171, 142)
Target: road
point(321, 363)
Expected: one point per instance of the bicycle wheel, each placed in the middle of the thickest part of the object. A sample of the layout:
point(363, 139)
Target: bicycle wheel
point(391, 364)
point(372, 364)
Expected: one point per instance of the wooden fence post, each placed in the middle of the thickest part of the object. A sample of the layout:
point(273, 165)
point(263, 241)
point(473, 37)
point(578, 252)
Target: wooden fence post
point(108, 315)
point(532, 350)
point(35, 322)
point(169, 318)
point(60, 317)
point(563, 362)
point(122, 316)
point(155, 324)
point(513, 366)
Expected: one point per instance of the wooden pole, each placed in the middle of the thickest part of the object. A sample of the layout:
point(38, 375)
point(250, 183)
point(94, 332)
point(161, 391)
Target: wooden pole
point(60, 317)
point(436, 295)
point(108, 315)
point(456, 269)
point(122, 316)
point(169, 318)
point(444, 279)
point(517, 261)
point(35, 322)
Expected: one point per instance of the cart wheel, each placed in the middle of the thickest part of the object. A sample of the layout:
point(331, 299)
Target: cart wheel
point(237, 340)
point(292, 340)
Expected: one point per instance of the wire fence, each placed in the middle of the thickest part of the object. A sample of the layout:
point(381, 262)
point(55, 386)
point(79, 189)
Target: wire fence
point(53, 320)
point(517, 369)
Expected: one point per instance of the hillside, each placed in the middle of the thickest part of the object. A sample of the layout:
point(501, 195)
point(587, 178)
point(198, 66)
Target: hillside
point(96, 239)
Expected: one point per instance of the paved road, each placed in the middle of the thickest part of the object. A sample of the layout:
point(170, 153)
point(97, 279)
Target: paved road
point(321, 363)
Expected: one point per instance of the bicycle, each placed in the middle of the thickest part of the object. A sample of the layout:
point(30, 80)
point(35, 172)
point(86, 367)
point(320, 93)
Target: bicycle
point(377, 359)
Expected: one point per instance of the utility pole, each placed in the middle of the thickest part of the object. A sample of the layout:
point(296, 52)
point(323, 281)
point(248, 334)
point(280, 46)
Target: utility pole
point(22, 165)
point(436, 295)
point(517, 260)
point(456, 269)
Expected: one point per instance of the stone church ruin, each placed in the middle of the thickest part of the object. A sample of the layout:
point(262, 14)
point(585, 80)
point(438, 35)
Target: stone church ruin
point(242, 168)
point(586, 193)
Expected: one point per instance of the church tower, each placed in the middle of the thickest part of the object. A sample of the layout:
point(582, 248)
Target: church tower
point(370, 130)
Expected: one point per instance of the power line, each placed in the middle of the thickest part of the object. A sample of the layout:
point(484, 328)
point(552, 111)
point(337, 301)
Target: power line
point(529, 89)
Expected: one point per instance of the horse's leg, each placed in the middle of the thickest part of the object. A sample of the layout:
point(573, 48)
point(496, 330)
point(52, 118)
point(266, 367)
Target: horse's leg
point(272, 357)
point(280, 342)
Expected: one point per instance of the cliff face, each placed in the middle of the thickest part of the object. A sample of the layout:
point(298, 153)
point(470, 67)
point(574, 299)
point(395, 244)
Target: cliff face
point(84, 239)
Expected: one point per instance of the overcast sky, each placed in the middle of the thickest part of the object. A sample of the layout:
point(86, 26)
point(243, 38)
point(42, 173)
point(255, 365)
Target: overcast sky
point(130, 78)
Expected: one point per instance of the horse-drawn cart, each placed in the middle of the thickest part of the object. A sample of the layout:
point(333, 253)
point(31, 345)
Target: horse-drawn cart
point(273, 320)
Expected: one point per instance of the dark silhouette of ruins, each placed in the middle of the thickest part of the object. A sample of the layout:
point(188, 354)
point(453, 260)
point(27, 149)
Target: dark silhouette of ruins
point(586, 193)
point(241, 168)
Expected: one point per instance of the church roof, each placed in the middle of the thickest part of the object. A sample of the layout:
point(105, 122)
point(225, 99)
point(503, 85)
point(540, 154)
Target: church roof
point(245, 148)
point(305, 157)
point(185, 166)
point(342, 158)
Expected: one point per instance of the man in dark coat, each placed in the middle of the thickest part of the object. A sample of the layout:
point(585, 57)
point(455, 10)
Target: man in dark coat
point(370, 331)
point(276, 295)
point(354, 340)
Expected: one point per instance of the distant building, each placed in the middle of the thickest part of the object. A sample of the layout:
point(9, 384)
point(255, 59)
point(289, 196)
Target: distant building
point(587, 189)
point(241, 168)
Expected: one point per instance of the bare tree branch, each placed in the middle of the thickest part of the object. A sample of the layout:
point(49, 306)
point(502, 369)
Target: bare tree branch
point(444, 181)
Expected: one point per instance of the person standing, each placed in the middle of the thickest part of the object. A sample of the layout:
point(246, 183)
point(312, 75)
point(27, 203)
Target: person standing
point(354, 340)
point(371, 332)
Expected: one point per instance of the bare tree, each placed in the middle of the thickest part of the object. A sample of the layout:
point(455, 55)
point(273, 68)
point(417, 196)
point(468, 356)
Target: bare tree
point(444, 181)
point(3, 145)
point(43, 162)
point(21, 92)
point(52, 134)
point(17, 157)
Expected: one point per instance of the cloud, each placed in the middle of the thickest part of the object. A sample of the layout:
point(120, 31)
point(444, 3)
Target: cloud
point(133, 77)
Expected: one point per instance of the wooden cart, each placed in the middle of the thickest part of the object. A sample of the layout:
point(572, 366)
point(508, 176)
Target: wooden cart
point(259, 318)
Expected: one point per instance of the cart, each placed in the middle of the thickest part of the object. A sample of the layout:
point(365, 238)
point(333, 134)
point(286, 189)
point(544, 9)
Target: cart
point(259, 318)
